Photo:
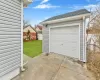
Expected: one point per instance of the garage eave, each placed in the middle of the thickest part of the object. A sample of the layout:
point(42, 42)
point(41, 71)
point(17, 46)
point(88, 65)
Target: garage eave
point(66, 19)
point(27, 2)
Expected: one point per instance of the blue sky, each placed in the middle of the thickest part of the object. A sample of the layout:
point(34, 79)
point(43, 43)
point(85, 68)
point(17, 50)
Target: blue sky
point(40, 10)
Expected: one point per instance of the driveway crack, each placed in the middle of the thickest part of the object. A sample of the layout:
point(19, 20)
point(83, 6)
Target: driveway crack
point(54, 76)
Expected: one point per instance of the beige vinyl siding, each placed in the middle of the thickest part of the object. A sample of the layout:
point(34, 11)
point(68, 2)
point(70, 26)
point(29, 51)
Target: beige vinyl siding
point(10, 35)
point(30, 29)
point(37, 29)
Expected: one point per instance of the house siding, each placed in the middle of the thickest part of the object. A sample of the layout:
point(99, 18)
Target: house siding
point(46, 35)
point(30, 29)
point(10, 36)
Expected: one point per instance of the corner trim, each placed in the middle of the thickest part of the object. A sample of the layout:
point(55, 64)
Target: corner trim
point(21, 34)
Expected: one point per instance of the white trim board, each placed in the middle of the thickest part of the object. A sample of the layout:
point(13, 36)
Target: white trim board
point(66, 19)
point(76, 24)
point(21, 34)
point(84, 19)
point(84, 39)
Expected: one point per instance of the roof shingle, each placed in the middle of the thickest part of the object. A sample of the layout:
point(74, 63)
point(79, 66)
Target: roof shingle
point(78, 12)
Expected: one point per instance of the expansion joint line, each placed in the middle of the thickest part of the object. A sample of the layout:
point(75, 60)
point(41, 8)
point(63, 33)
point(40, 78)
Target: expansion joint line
point(53, 77)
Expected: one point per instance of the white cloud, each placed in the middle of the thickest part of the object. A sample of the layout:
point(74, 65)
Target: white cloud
point(92, 7)
point(34, 22)
point(89, 7)
point(44, 6)
point(75, 7)
point(93, 0)
point(89, 0)
point(44, 1)
point(46, 17)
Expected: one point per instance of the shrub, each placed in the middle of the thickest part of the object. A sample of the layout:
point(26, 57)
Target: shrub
point(93, 63)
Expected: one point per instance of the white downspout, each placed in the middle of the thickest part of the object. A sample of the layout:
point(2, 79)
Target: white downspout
point(84, 39)
point(22, 18)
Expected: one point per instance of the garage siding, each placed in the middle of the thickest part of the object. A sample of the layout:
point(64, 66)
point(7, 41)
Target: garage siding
point(10, 35)
point(81, 41)
point(45, 45)
point(46, 35)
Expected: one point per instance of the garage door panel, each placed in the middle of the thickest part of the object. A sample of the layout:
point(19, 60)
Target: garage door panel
point(65, 40)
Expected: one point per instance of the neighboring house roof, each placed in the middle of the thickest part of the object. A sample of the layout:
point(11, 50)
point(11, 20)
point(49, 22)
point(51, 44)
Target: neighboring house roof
point(39, 26)
point(25, 27)
point(31, 28)
point(70, 14)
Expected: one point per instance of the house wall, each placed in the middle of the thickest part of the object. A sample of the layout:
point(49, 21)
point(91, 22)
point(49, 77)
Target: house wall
point(46, 35)
point(29, 28)
point(37, 29)
point(32, 34)
point(40, 36)
point(10, 38)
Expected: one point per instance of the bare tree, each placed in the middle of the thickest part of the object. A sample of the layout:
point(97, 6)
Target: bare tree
point(26, 22)
point(95, 21)
point(93, 48)
point(28, 35)
point(94, 25)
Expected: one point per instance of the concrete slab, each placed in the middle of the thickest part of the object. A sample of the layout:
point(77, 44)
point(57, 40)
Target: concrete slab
point(70, 70)
point(54, 67)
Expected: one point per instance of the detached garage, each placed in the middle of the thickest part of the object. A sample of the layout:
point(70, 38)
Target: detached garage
point(65, 34)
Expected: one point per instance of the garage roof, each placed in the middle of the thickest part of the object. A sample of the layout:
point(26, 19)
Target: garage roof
point(70, 14)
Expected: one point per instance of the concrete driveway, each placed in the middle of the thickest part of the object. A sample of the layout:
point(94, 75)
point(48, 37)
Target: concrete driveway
point(54, 67)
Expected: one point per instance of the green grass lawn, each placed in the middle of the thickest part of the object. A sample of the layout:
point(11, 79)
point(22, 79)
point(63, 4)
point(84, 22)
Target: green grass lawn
point(33, 48)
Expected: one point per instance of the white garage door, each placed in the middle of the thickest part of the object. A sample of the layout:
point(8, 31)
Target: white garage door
point(65, 41)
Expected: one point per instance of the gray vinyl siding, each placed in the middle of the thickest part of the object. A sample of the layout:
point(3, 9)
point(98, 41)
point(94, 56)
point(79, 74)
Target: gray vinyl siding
point(81, 42)
point(46, 35)
point(10, 35)
point(45, 45)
